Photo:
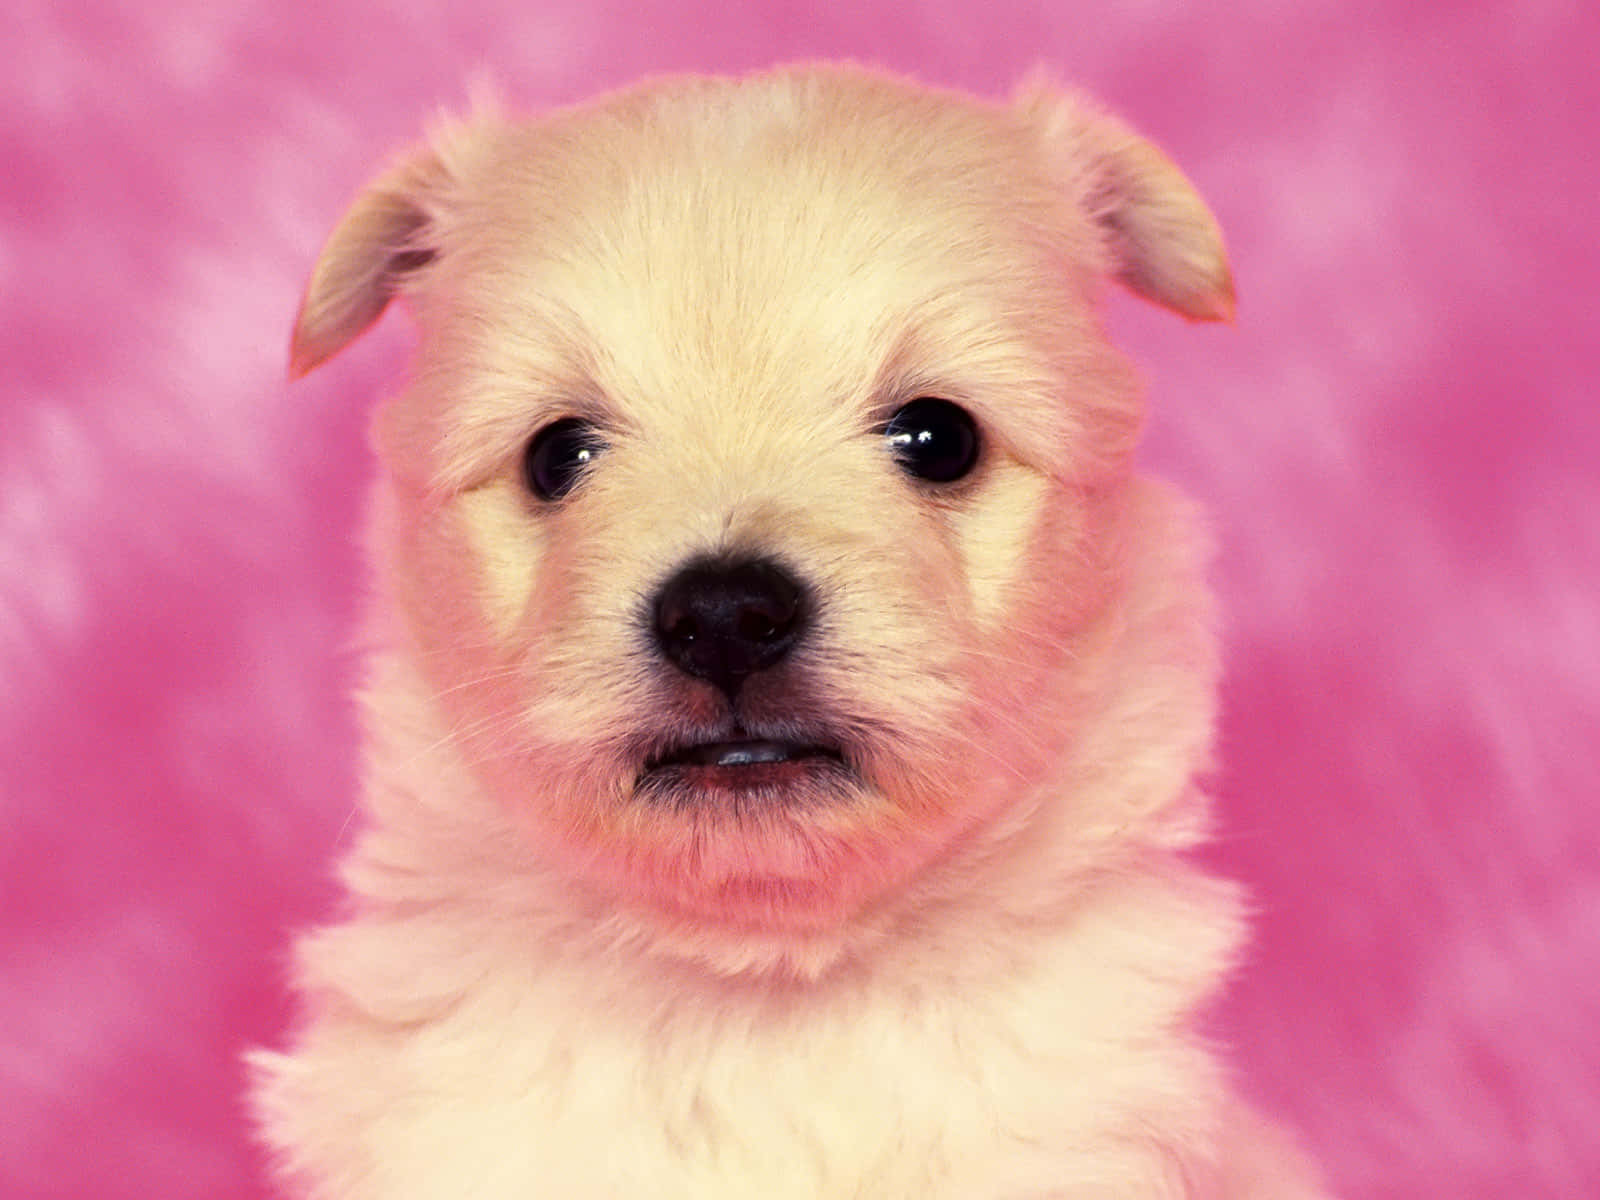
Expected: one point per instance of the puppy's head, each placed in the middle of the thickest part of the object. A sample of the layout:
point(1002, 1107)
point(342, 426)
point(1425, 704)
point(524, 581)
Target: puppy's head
point(753, 509)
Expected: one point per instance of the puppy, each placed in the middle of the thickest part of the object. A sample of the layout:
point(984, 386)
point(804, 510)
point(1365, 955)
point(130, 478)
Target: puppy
point(785, 700)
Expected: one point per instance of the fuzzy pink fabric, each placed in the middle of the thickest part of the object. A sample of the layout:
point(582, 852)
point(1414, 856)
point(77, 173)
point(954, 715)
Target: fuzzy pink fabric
point(1399, 440)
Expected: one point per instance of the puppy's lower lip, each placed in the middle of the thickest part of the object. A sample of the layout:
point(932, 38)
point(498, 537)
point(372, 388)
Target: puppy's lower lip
point(750, 774)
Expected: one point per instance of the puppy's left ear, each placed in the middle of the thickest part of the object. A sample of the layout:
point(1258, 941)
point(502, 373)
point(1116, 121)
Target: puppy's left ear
point(384, 238)
point(389, 235)
point(1161, 239)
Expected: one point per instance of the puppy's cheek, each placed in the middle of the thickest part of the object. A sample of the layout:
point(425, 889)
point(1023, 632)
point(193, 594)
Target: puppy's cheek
point(461, 576)
point(504, 550)
point(997, 540)
point(557, 658)
point(435, 582)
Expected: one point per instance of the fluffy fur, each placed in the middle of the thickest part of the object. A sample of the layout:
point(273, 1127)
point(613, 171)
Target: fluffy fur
point(975, 970)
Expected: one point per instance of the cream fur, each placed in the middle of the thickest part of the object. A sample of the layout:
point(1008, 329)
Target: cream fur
point(977, 975)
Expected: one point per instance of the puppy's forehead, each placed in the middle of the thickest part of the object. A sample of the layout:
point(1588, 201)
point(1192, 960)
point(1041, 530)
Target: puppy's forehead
point(833, 240)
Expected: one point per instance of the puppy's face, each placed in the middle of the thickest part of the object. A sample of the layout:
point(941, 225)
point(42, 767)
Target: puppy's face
point(752, 504)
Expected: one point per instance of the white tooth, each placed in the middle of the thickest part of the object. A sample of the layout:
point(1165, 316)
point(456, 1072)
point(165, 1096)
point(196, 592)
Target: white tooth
point(744, 754)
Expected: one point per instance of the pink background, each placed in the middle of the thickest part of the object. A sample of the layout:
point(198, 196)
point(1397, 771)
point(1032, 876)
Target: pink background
point(1399, 440)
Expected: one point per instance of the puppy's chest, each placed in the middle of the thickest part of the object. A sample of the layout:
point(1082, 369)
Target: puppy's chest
point(545, 1095)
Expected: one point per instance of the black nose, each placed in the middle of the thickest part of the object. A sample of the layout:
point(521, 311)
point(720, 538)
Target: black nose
point(723, 621)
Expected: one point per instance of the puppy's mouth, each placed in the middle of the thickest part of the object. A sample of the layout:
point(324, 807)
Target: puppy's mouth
point(745, 752)
point(773, 769)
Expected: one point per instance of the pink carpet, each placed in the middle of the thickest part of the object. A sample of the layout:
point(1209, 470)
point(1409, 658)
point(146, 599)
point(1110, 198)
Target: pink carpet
point(1400, 440)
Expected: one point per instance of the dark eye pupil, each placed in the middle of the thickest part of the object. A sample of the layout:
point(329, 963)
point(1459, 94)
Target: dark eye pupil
point(558, 455)
point(933, 439)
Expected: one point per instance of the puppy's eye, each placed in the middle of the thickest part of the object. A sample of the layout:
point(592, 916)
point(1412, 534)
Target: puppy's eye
point(558, 455)
point(933, 439)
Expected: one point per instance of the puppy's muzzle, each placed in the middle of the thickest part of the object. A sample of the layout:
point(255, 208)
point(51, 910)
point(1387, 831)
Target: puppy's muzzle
point(724, 621)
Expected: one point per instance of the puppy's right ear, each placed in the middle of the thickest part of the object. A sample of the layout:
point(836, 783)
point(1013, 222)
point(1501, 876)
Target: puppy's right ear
point(1160, 238)
point(388, 235)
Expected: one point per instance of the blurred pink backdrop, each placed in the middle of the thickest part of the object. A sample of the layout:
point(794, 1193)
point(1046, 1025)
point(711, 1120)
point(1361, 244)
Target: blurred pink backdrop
point(1399, 440)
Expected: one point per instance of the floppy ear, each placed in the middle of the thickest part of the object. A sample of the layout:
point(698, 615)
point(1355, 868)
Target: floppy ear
point(388, 235)
point(1161, 239)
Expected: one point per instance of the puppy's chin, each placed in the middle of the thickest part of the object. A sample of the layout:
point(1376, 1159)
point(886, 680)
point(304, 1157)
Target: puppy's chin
point(769, 847)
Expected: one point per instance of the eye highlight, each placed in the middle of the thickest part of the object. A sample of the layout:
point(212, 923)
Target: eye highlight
point(558, 455)
point(933, 439)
